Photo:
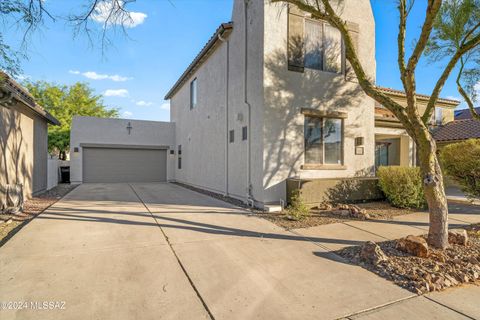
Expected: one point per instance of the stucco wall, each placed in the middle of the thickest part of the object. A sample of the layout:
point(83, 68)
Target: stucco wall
point(208, 159)
point(23, 149)
point(91, 130)
point(286, 92)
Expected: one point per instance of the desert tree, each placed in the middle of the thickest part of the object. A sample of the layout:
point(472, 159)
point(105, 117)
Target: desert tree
point(415, 122)
point(457, 22)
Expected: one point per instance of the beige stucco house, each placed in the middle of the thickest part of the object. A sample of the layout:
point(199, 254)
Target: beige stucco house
point(23, 138)
point(270, 98)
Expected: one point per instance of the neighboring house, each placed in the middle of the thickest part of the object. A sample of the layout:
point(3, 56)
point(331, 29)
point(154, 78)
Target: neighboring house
point(462, 128)
point(465, 113)
point(271, 99)
point(457, 131)
point(23, 138)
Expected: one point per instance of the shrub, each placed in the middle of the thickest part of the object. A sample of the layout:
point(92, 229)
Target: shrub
point(297, 210)
point(403, 186)
point(461, 162)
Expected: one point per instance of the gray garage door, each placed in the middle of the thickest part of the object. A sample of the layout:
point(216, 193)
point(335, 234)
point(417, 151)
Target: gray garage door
point(124, 165)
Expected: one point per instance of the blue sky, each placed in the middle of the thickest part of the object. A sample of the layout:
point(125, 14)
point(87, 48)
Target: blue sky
point(137, 71)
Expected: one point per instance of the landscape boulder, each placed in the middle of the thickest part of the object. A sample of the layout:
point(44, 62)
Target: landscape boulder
point(372, 253)
point(413, 245)
point(458, 236)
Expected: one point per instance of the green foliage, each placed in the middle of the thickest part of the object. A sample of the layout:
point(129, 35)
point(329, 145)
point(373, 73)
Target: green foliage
point(403, 186)
point(457, 23)
point(461, 162)
point(64, 102)
point(297, 209)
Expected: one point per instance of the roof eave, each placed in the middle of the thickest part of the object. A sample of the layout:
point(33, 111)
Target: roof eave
point(449, 103)
point(224, 31)
point(21, 95)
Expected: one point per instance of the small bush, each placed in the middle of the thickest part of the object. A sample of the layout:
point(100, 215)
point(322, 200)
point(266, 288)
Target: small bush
point(461, 162)
point(297, 210)
point(403, 186)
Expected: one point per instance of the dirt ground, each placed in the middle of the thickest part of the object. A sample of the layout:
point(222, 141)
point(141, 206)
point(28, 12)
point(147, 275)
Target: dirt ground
point(12, 223)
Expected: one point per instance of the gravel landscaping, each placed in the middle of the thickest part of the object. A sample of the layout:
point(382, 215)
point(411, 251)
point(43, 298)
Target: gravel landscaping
point(435, 271)
point(378, 210)
point(12, 223)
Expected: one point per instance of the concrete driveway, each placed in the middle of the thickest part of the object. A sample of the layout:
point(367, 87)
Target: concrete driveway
point(159, 251)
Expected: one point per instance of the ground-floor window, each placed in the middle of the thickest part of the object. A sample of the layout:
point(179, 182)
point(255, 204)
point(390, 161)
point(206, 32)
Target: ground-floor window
point(323, 140)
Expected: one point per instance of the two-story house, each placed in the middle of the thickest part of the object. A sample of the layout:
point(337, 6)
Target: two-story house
point(271, 97)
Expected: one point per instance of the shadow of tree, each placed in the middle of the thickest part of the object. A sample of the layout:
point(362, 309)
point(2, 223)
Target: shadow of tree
point(15, 170)
point(286, 93)
point(354, 189)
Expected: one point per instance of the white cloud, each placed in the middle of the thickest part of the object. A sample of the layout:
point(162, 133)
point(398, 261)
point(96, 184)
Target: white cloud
point(453, 98)
point(98, 76)
point(104, 10)
point(142, 103)
point(116, 93)
point(127, 114)
point(165, 106)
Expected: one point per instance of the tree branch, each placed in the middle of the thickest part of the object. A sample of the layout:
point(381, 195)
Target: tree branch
point(368, 87)
point(402, 8)
point(467, 46)
point(464, 94)
point(432, 11)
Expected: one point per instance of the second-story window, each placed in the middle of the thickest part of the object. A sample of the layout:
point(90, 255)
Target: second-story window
point(193, 93)
point(438, 116)
point(313, 44)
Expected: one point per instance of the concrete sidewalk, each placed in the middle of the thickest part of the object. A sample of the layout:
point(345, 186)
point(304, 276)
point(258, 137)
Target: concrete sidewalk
point(454, 193)
point(149, 251)
point(340, 235)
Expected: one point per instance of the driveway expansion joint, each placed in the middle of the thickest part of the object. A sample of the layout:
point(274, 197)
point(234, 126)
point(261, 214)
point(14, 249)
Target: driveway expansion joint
point(176, 256)
point(450, 308)
point(388, 304)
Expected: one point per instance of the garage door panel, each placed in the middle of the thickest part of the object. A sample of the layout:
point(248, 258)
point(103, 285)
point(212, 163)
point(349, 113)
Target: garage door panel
point(124, 165)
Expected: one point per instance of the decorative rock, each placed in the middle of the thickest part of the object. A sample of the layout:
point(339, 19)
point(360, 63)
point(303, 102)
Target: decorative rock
point(372, 253)
point(343, 213)
point(327, 206)
point(458, 236)
point(413, 245)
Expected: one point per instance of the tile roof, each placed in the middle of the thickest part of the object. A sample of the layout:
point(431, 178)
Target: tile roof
point(221, 30)
point(420, 96)
point(21, 94)
point(465, 114)
point(458, 130)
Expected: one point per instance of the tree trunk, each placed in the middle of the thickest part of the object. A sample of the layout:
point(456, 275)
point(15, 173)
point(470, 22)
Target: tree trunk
point(434, 193)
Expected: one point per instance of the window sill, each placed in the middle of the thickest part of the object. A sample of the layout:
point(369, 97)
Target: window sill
point(323, 167)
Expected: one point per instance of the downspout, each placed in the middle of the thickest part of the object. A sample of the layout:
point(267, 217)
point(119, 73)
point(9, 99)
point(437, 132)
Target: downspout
point(250, 198)
point(227, 76)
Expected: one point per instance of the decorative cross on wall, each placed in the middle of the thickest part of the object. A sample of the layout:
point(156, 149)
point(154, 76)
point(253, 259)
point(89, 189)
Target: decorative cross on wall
point(129, 127)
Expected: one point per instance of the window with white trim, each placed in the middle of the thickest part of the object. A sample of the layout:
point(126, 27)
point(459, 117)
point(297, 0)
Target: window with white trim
point(323, 140)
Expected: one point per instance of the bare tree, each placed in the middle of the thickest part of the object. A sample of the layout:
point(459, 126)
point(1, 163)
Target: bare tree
point(415, 123)
point(30, 15)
